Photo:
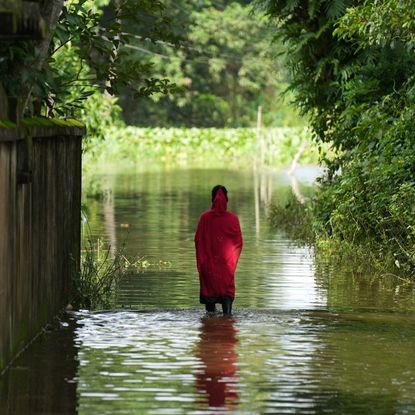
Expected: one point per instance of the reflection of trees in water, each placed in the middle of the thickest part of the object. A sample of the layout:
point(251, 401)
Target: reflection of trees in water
point(354, 285)
point(162, 209)
point(216, 380)
point(262, 193)
point(109, 223)
point(363, 363)
point(295, 188)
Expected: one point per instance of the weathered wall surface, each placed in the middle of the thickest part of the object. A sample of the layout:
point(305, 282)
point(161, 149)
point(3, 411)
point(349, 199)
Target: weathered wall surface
point(40, 199)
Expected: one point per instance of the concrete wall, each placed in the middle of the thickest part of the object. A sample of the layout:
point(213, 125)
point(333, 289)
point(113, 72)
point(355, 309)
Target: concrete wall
point(40, 199)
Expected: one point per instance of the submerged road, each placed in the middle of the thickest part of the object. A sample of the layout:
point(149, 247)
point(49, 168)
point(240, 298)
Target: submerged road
point(306, 337)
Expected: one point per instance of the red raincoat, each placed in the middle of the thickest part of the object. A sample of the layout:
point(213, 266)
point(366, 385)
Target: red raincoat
point(218, 243)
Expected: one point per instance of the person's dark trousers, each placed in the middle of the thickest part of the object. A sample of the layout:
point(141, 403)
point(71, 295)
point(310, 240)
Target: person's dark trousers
point(210, 307)
point(227, 306)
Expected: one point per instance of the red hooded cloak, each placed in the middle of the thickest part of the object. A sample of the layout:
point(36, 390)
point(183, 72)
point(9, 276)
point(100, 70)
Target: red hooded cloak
point(218, 243)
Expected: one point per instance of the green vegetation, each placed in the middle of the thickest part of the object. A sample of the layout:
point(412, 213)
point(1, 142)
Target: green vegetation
point(223, 65)
point(352, 66)
point(100, 271)
point(170, 62)
point(208, 145)
point(301, 223)
point(102, 268)
point(294, 218)
point(85, 53)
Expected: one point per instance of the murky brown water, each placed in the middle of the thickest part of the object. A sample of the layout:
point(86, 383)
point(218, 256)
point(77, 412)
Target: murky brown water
point(305, 338)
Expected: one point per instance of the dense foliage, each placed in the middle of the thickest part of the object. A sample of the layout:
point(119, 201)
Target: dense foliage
point(353, 66)
point(224, 66)
point(86, 53)
point(171, 63)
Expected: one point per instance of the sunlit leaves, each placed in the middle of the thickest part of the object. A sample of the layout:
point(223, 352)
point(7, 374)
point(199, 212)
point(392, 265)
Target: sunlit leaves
point(86, 54)
point(380, 23)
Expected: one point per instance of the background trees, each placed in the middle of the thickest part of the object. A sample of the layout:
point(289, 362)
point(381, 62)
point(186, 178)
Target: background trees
point(191, 58)
point(224, 66)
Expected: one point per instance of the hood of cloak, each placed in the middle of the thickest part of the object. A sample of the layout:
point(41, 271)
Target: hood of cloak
point(220, 203)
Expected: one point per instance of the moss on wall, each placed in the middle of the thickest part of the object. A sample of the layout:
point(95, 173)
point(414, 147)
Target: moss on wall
point(21, 337)
point(42, 122)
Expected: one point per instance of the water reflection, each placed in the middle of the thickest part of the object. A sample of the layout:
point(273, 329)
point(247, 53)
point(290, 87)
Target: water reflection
point(109, 222)
point(307, 336)
point(354, 287)
point(216, 380)
point(263, 188)
point(163, 209)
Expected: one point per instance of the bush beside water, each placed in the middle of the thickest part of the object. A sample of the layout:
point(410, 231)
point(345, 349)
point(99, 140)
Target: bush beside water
point(294, 218)
point(352, 73)
point(387, 246)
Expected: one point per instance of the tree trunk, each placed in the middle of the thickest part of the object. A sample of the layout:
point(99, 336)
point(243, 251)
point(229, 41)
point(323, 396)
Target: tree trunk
point(50, 11)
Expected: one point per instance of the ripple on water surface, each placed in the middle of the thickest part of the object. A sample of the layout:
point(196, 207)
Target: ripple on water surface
point(266, 361)
point(305, 338)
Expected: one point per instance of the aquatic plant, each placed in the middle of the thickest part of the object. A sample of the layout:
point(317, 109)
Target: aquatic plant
point(101, 268)
point(273, 146)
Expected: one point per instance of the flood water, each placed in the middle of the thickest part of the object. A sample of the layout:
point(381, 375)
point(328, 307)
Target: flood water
point(306, 337)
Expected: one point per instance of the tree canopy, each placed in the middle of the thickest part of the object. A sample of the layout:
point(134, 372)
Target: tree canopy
point(170, 62)
point(224, 66)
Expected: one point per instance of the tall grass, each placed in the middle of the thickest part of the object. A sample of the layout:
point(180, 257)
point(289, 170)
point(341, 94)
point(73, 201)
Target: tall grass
point(94, 285)
point(101, 270)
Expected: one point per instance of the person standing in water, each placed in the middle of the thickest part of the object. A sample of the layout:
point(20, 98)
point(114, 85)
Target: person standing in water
point(218, 242)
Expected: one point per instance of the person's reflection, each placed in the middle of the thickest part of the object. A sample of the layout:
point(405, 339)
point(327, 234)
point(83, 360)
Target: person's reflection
point(216, 380)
